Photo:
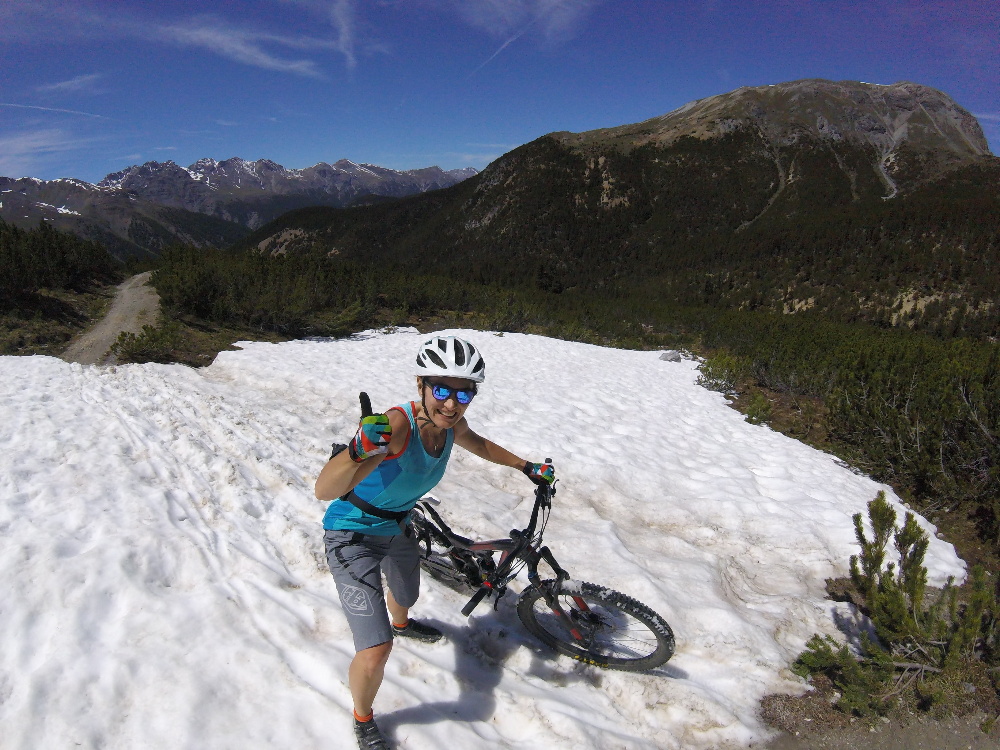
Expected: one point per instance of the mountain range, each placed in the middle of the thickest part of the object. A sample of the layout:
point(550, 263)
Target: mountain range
point(867, 199)
point(145, 207)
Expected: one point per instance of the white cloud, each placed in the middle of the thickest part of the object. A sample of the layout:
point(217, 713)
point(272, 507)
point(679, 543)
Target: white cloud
point(22, 154)
point(341, 15)
point(991, 116)
point(79, 84)
point(474, 159)
point(31, 20)
point(244, 45)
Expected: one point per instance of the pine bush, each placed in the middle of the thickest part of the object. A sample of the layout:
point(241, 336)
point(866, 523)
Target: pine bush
point(925, 649)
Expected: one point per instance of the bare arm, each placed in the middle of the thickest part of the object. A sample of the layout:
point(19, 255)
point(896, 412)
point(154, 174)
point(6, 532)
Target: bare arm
point(480, 446)
point(341, 474)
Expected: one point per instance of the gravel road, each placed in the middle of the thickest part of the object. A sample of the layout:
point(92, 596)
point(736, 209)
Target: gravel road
point(135, 305)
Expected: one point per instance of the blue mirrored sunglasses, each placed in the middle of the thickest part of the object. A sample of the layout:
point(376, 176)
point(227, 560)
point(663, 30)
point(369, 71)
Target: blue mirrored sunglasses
point(443, 393)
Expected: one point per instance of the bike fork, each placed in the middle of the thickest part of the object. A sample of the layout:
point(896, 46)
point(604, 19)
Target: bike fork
point(552, 592)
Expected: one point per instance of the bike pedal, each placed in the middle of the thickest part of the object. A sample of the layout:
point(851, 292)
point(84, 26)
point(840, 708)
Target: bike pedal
point(499, 595)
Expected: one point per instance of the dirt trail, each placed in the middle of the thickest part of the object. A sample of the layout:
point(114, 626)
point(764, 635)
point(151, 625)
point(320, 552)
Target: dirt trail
point(955, 733)
point(135, 305)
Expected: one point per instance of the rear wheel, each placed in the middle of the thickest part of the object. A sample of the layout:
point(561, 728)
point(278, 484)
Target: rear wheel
point(601, 627)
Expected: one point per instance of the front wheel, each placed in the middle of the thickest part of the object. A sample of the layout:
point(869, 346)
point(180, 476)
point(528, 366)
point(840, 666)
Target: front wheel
point(599, 626)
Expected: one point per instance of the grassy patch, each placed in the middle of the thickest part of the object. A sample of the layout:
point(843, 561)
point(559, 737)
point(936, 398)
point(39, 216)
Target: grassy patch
point(196, 343)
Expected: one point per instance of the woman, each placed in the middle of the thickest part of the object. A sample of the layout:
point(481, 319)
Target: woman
point(393, 460)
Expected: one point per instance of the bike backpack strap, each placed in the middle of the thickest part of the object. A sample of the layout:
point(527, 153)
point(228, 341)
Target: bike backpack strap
point(365, 507)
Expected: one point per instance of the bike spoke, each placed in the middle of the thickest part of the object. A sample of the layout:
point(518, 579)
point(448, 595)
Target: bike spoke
point(599, 630)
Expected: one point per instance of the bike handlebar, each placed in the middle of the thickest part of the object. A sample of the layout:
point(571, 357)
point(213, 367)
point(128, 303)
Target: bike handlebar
point(474, 601)
point(543, 499)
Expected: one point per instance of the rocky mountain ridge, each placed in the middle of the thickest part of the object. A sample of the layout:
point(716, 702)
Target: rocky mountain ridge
point(170, 184)
point(902, 123)
point(148, 206)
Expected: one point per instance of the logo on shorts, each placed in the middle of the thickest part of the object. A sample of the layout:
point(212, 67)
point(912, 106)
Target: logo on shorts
point(356, 601)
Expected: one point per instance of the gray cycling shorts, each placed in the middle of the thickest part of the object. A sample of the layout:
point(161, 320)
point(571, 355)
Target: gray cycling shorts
point(357, 561)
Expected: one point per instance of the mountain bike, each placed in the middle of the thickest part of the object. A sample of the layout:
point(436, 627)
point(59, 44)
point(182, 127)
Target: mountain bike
point(585, 621)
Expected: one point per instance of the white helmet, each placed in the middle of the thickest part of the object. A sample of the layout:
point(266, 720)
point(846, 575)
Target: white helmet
point(450, 357)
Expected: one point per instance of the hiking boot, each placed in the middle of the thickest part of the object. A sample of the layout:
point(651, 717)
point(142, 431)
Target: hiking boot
point(418, 631)
point(369, 736)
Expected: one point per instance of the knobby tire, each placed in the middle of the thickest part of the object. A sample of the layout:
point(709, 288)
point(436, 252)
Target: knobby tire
point(617, 631)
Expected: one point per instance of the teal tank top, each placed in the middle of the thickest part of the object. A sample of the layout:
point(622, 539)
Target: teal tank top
point(396, 484)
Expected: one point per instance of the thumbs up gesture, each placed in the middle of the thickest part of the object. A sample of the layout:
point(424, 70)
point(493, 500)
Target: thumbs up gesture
point(373, 435)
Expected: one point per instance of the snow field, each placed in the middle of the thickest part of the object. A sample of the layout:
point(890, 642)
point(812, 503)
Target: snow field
point(167, 587)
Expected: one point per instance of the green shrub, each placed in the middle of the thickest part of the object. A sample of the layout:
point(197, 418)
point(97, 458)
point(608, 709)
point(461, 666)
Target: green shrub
point(923, 649)
point(152, 344)
point(722, 372)
point(759, 409)
point(862, 682)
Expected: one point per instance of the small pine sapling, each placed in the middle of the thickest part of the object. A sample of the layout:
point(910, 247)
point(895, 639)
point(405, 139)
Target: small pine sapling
point(883, 521)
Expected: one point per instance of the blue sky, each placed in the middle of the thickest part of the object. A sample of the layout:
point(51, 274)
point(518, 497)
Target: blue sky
point(91, 87)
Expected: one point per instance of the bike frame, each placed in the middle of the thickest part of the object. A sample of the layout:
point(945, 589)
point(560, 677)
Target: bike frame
point(521, 545)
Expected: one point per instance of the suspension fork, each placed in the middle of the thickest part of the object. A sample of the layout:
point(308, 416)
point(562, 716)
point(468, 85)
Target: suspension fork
point(551, 593)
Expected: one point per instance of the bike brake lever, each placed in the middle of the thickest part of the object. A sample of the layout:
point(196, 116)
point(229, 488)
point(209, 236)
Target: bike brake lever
point(431, 500)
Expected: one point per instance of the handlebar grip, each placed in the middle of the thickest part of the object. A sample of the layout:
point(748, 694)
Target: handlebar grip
point(474, 601)
point(366, 405)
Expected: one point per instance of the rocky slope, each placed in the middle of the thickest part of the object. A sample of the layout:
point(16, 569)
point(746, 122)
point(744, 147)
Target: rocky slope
point(912, 131)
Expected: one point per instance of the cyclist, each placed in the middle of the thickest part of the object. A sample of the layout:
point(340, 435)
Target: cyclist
point(392, 461)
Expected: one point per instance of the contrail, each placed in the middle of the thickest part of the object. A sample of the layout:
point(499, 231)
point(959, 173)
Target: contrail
point(50, 109)
point(503, 46)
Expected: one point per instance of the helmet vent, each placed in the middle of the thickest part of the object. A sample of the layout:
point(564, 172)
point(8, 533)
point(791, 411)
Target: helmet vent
point(433, 357)
point(459, 354)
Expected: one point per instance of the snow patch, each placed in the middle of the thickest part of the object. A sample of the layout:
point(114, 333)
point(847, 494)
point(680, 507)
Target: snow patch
point(183, 578)
point(58, 209)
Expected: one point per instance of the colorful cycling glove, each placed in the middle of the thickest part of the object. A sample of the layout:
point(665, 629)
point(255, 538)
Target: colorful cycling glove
point(539, 473)
point(372, 439)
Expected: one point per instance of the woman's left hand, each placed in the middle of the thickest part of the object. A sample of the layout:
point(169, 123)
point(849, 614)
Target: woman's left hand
point(540, 473)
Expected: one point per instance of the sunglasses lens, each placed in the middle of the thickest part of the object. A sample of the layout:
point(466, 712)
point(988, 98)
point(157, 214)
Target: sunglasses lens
point(443, 393)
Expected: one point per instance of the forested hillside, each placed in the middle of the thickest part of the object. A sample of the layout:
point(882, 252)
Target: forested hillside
point(51, 284)
point(700, 222)
point(45, 258)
